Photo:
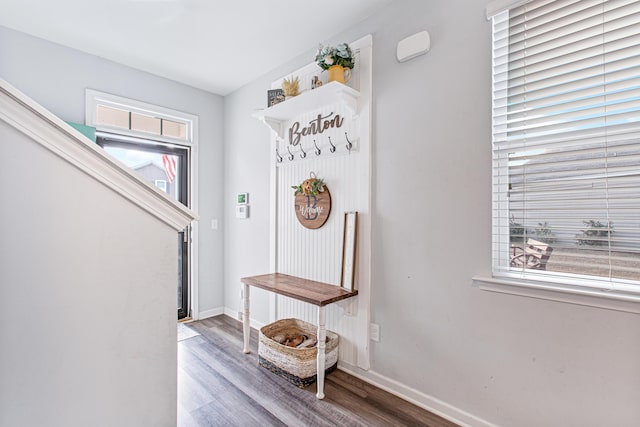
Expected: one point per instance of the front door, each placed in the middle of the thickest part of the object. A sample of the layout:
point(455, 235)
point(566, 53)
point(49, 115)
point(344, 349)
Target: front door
point(167, 167)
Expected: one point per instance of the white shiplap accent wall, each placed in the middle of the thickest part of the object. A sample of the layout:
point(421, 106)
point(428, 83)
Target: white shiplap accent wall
point(317, 254)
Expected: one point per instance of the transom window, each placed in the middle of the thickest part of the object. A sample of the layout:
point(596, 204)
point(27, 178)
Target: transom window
point(113, 113)
point(120, 118)
point(566, 143)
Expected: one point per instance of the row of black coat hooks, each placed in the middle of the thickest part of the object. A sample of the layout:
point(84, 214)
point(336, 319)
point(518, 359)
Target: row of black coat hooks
point(316, 150)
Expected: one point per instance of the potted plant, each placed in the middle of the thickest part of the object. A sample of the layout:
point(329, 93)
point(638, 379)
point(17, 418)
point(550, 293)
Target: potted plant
point(337, 60)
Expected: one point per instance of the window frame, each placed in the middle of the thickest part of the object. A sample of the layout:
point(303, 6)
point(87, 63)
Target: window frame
point(576, 290)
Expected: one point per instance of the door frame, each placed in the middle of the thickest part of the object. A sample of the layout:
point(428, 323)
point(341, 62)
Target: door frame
point(183, 152)
point(93, 98)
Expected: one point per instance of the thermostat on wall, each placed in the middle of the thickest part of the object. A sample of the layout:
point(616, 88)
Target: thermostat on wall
point(242, 211)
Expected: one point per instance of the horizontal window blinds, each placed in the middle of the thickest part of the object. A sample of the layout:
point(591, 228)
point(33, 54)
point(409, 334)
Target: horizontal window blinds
point(566, 142)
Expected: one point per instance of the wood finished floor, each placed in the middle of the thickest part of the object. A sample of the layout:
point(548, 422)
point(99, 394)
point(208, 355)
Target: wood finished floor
point(218, 385)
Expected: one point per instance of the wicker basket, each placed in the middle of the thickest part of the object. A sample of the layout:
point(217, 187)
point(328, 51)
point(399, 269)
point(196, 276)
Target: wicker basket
point(296, 365)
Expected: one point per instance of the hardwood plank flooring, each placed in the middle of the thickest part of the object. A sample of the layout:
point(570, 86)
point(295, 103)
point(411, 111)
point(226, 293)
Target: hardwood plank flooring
point(218, 385)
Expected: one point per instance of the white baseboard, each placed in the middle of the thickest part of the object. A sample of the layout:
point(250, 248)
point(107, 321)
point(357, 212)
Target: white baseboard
point(210, 313)
point(238, 316)
point(416, 397)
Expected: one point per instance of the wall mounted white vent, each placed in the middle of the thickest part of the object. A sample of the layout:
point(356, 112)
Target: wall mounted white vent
point(415, 45)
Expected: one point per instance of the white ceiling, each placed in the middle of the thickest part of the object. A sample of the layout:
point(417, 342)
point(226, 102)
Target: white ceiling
point(215, 45)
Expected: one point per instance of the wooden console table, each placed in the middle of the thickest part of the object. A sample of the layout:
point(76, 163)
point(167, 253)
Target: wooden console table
point(316, 293)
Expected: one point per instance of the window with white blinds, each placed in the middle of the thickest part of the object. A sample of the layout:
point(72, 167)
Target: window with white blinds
point(566, 143)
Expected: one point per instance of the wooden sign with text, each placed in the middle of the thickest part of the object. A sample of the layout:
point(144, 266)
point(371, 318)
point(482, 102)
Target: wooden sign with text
point(313, 211)
point(315, 127)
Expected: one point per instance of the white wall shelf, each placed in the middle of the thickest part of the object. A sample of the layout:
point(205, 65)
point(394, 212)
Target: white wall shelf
point(329, 93)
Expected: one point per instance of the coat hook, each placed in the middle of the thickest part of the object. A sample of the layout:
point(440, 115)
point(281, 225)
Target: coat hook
point(302, 154)
point(317, 150)
point(333, 147)
point(278, 156)
point(349, 143)
point(291, 156)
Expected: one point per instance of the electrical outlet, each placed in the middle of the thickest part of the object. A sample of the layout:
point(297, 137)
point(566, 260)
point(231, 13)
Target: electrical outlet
point(374, 332)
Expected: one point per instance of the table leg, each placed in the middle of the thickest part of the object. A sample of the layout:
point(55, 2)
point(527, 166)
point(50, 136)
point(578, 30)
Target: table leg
point(322, 337)
point(246, 319)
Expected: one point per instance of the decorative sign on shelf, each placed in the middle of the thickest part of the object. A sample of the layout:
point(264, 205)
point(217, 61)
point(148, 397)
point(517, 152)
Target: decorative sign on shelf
point(274, 97)
point(315, 127)
point(312, 203)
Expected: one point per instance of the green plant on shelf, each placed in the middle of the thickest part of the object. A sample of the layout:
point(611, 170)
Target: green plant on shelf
point(328, 56)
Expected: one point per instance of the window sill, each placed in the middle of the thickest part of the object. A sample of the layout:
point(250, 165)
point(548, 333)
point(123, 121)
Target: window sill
point(609, 300)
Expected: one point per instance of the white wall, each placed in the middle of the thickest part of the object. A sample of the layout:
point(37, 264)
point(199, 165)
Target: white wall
point(507, 360)
point(87, 321)
point(56, 77)
point(247, 169)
